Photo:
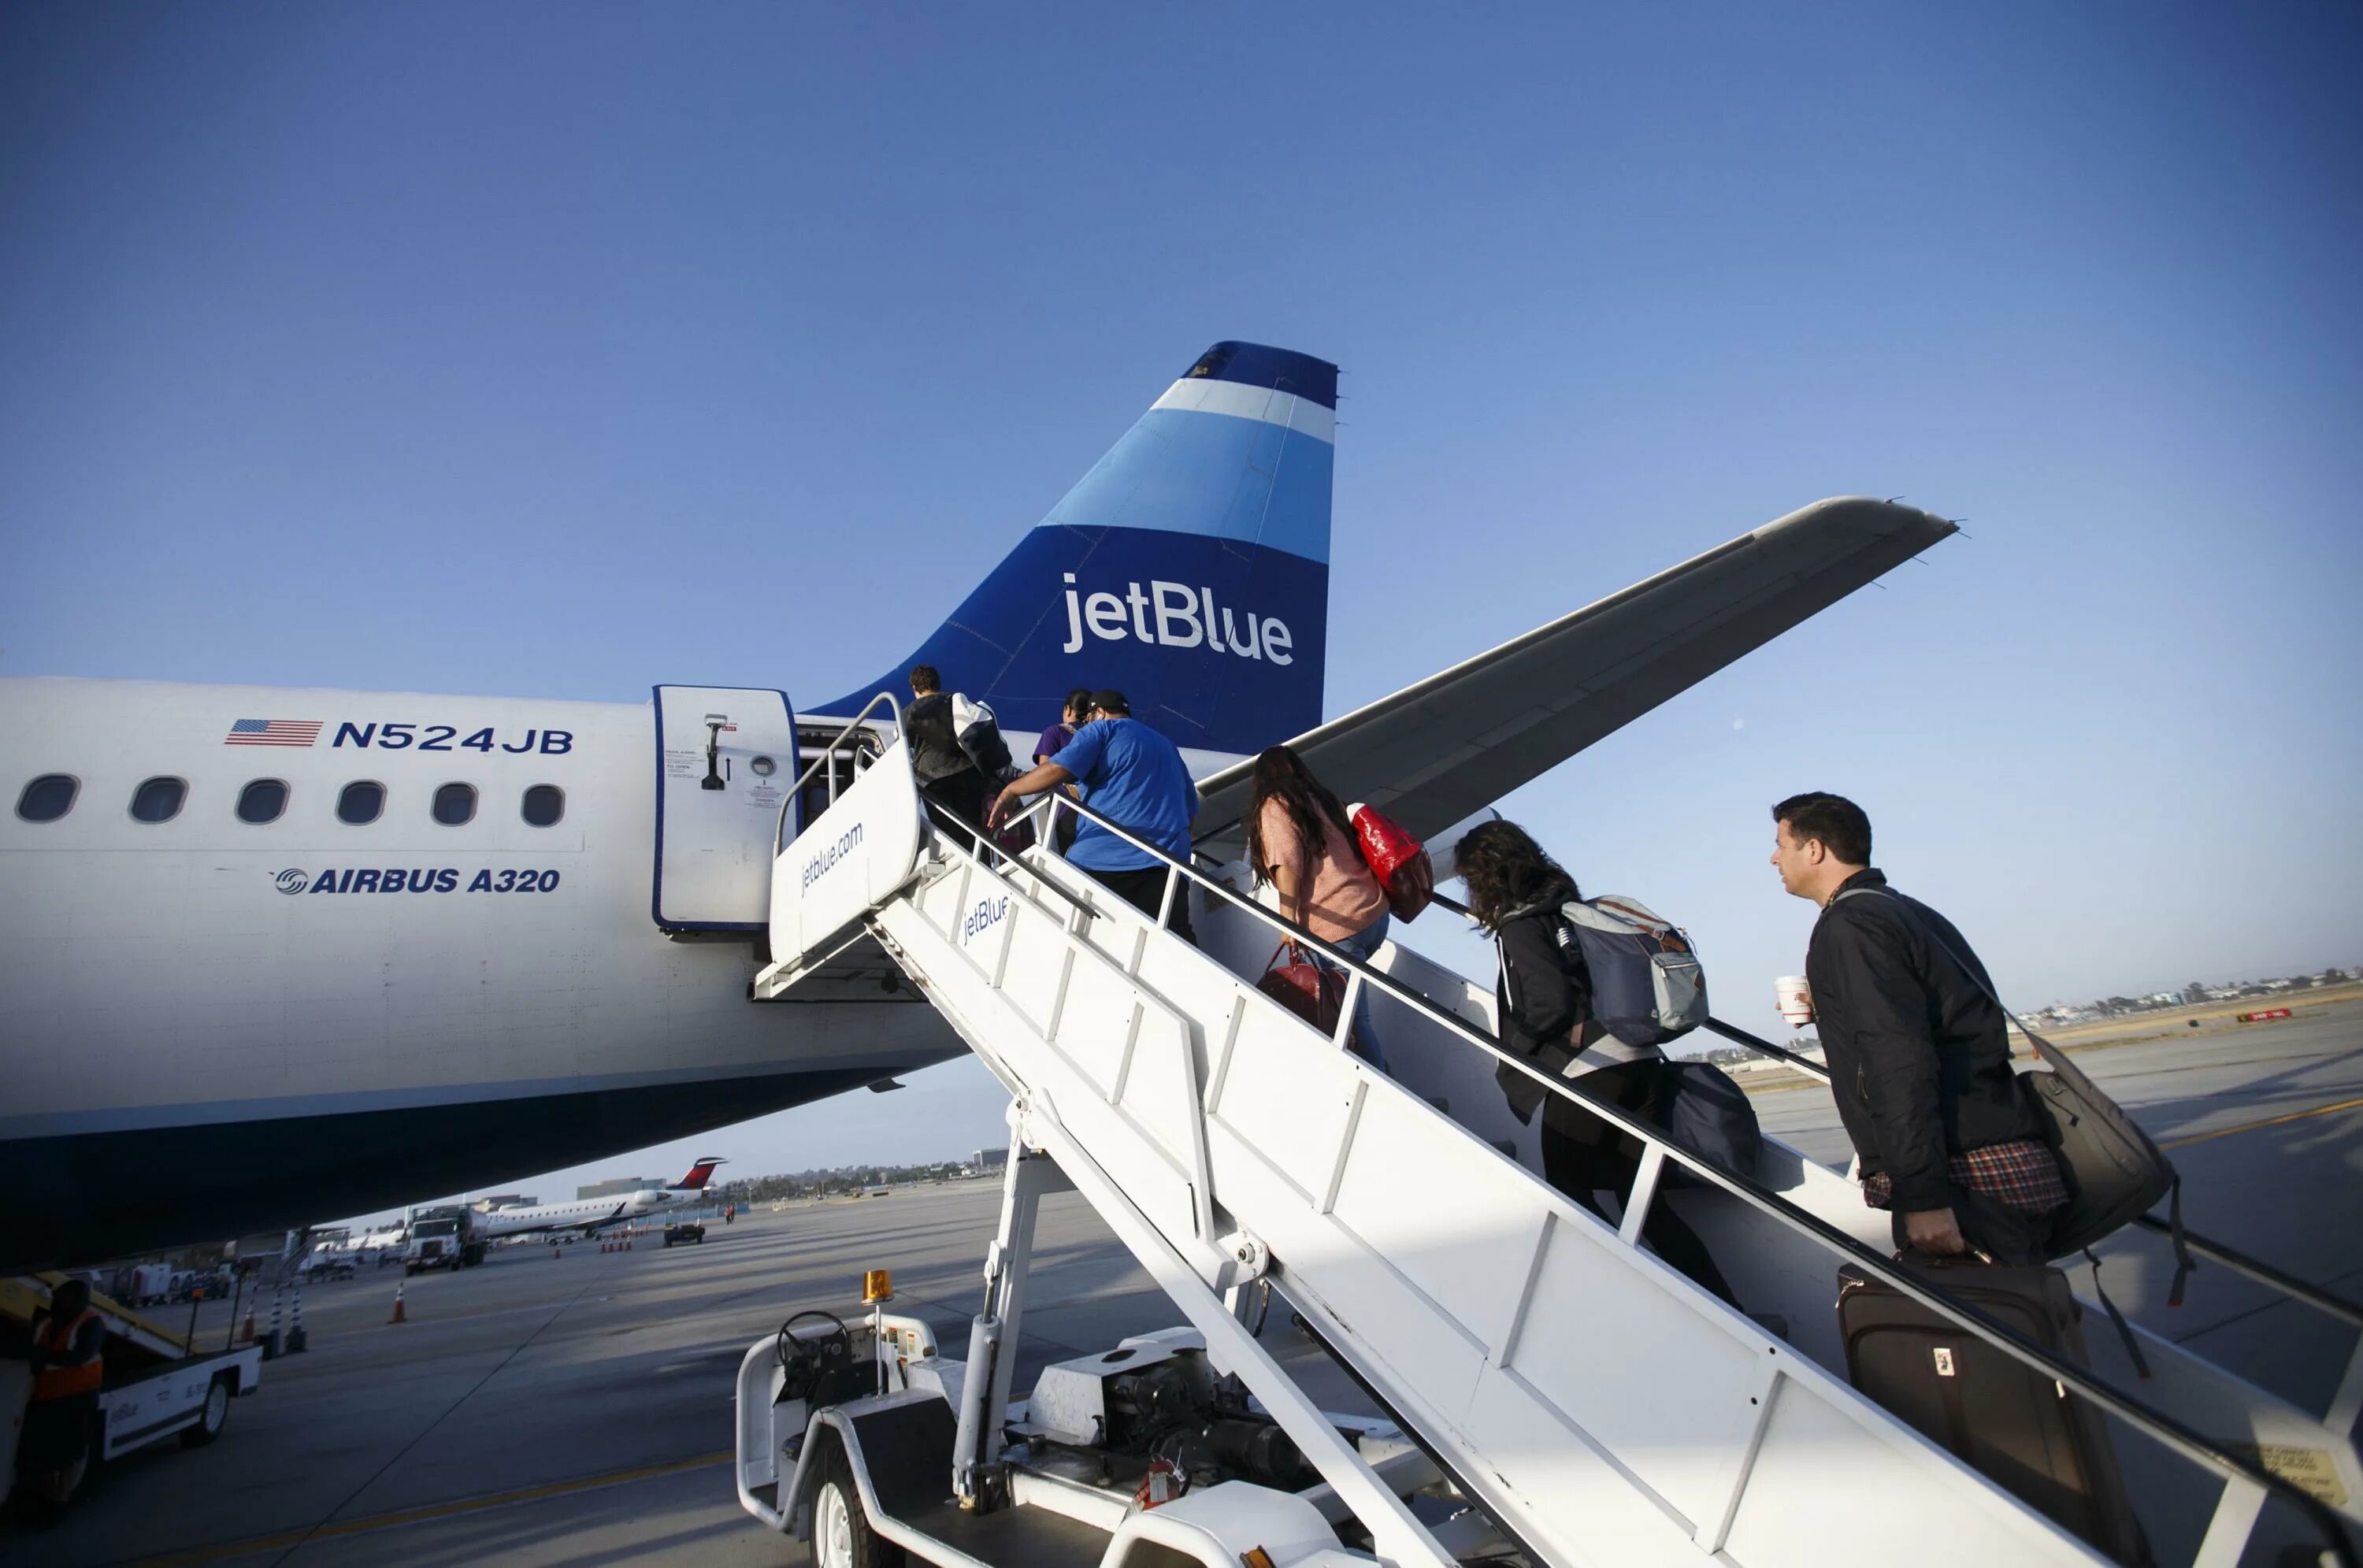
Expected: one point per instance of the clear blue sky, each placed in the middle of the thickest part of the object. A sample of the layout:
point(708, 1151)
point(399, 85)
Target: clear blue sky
point(508, 349)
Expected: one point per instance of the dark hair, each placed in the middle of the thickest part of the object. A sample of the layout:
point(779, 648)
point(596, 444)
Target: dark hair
point(1281, 775)
point(1078, 703)
point(923, 680)
point(1506, 872)
point(77, 1288)
point(1838, 821)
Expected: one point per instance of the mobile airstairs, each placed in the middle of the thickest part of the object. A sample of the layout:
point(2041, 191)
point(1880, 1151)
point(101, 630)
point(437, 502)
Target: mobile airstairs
point(1551, 1392)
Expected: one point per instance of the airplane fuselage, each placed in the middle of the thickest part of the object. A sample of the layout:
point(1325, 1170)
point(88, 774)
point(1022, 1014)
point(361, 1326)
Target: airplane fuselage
point(586, 1214)
point(232, 1009)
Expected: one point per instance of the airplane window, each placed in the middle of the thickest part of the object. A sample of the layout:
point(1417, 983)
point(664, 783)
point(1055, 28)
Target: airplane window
point(48, 797)
point(158, 800)
point(361, 803)
point(262, 800)
point(455, 803)
point(544, 804)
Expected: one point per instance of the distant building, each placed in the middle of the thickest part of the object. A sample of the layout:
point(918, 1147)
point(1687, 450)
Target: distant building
point(989, 1159)
point(616, 1188)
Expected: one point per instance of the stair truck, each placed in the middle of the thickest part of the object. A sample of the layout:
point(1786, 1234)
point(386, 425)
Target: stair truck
point(157, 1384)
point(1548, 1391)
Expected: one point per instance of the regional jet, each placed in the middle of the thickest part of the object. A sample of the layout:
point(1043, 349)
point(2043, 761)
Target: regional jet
point(276, 952)
point(589, 1216)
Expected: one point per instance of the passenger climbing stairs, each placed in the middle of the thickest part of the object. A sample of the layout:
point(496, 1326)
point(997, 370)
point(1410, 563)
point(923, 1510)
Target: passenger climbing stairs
point(1597, 1406)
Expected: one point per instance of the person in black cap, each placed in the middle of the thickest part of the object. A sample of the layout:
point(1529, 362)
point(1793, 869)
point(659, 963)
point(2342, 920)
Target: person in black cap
point(1137, 779)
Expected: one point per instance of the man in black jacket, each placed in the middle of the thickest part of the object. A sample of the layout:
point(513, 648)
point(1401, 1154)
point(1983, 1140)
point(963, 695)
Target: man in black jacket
point(1918, 1053)
point(954, 790)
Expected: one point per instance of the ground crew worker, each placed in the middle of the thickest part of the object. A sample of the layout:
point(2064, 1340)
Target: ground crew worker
point(68, 1342)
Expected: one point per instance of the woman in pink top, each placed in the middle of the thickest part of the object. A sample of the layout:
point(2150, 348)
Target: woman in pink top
point(1300, 841)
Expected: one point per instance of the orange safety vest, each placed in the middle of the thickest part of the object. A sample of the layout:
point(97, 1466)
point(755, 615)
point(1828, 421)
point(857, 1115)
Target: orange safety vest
point(63, 1382)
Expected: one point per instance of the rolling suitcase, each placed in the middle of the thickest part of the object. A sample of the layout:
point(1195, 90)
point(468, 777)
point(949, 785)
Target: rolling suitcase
point(1996, 1414)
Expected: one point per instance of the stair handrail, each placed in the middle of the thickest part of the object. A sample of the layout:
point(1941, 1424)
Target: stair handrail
point(2265, 1274)
point(2190, 1444)
point(827, 758)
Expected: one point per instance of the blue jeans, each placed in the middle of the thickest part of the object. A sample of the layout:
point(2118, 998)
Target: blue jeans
point(1360, 945)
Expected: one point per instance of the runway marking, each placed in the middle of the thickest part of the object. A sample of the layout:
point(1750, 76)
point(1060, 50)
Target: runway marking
point(2267, 1122)
point(434, 1511)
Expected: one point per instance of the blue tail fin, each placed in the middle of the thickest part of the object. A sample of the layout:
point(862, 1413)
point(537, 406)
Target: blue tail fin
point(1189, 570)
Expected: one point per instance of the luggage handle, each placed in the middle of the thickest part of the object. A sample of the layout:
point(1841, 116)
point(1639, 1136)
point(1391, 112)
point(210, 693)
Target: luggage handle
point(1290, 946)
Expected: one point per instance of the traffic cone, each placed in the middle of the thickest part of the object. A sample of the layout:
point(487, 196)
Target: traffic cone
point(246, 1330)
point(399, 1316)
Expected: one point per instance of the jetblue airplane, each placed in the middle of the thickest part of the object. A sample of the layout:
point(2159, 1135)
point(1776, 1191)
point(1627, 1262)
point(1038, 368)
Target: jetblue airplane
point(276, 952)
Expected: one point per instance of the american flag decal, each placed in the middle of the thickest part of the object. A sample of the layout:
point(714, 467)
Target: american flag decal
point(273, 732)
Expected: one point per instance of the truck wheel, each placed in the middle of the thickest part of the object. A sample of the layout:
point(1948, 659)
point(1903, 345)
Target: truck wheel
point(841, 1534)
point(216, 1414)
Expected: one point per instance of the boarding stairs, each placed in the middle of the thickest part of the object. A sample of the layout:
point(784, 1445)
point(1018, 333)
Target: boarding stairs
point(1594, 1404)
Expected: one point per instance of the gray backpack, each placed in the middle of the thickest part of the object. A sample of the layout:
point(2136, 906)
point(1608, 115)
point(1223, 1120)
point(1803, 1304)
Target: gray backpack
point(1647, 986)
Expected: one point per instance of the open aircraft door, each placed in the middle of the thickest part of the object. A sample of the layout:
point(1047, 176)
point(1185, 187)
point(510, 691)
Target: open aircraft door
point(726, 758)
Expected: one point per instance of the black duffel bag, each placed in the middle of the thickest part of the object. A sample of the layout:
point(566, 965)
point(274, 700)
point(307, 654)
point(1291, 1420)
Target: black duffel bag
point(1706, 1113)
point(2114, 1170)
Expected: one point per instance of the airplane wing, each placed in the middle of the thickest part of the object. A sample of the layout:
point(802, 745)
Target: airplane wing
point(1439, 750)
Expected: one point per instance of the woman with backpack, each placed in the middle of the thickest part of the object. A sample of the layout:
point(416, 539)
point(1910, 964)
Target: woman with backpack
point(1542, 1002)
point(1300, 841)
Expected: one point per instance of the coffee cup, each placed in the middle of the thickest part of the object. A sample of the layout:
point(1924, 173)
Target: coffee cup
point(1794, 999)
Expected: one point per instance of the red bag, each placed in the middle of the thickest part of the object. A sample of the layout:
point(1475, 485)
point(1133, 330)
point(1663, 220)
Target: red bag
point(1312, 993)
point(1397, 859)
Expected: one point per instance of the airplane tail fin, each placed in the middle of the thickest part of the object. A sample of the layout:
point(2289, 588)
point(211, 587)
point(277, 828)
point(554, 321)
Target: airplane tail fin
point(1189, 570)
point(699, 1175)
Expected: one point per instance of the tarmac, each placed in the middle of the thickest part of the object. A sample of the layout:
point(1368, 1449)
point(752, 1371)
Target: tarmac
point(578, 1409)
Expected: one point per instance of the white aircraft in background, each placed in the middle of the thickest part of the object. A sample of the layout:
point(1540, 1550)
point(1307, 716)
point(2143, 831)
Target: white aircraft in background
point(375, 1243)
point(276, 953)
point(591, 1215)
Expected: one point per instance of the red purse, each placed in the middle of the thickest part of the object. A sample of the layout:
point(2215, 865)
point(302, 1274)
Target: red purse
point(1397, 859)
point(1312, 993)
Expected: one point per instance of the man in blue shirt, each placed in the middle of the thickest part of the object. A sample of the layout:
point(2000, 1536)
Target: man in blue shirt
point(1136, 779)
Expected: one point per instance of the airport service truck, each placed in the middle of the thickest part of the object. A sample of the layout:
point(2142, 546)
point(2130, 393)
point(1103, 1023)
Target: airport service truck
point(444, 1236)
point(156, 1384)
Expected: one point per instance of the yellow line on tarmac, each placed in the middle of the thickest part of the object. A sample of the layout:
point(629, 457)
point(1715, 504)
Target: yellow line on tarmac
point(2267, 1122)
point(372, 1523)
